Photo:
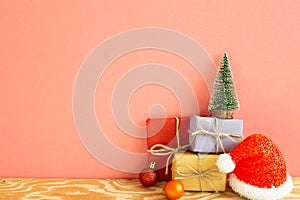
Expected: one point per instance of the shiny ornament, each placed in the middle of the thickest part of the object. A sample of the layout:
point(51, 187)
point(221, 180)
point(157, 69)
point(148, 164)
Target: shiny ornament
point(147, 176)
point(174, 189)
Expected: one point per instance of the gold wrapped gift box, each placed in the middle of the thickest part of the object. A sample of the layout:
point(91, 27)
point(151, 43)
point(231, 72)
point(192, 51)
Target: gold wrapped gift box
point(198, 172)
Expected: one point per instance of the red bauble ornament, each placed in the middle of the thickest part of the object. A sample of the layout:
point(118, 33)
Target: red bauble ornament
point(174, 189)
point(147, 176)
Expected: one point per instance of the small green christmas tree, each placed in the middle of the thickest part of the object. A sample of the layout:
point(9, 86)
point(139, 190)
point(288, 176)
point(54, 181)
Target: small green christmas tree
point(223, 99)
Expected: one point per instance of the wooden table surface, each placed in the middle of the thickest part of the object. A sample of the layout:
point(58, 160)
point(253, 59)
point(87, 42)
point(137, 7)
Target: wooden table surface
point(89, 189)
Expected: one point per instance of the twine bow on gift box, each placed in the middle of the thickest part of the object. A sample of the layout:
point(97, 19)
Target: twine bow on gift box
point(192, 172)
point(168, 151)
point(216, 133)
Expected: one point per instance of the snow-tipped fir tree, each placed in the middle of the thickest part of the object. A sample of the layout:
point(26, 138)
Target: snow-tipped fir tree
point(223, 99)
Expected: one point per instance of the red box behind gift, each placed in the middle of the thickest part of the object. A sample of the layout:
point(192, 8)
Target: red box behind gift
point(163, 131)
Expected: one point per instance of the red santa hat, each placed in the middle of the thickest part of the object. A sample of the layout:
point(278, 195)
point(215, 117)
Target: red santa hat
point(258, 169)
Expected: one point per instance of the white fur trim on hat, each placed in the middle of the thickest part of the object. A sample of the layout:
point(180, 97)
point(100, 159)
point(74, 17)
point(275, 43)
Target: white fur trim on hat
point(225, 163)
point(253, 192)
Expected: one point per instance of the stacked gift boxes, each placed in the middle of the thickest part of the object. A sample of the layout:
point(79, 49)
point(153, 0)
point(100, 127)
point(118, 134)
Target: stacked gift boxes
point(186, 149)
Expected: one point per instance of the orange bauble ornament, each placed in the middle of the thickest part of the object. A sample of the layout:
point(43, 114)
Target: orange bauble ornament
point(174, 189)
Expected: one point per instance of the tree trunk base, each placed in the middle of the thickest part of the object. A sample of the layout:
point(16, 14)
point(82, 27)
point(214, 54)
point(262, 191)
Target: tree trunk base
point(222, 114)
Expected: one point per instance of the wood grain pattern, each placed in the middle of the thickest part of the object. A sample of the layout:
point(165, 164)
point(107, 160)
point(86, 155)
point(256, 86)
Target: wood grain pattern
point(90, 189)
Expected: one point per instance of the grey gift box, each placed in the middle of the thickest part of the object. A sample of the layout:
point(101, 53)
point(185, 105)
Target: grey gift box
point(213, 135)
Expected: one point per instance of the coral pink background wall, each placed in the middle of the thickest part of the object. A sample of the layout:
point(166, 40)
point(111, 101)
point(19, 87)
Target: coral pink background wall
point(44, 43)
